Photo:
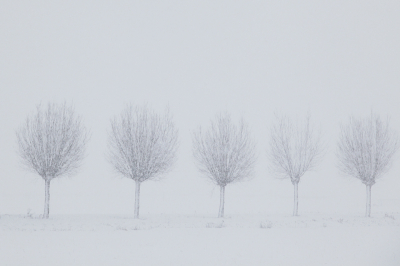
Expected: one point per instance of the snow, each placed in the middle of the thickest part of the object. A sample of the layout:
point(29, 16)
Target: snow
point(310, 239)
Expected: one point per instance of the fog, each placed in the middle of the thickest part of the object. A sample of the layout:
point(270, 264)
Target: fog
point(248, 58)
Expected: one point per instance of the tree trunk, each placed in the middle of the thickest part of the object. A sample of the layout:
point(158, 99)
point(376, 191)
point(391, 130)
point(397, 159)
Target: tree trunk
point(221, 201)
point(296, 198)
point(46, 199)
point(137, 197)
point(368, 207)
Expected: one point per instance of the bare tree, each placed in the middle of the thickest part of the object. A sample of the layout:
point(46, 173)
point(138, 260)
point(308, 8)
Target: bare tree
point(52, 143)
point(294, 150)
point(365, 150)
point(142, 145)
point(225, 153)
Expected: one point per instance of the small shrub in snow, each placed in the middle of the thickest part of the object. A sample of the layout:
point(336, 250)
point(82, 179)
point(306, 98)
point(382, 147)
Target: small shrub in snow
point(28, 213)
point(215, 225)
point(266, 224)
point(389, 216)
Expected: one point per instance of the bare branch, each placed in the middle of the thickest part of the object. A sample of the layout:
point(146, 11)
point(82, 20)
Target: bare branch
point(142, 144)
point(294, 149)
point(52, 141)
point(366, 148)
point(226, 152)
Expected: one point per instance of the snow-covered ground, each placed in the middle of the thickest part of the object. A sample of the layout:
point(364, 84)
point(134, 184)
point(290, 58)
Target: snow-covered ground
point(310, 239)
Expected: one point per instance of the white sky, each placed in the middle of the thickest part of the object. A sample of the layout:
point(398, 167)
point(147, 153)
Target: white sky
point(249, 58)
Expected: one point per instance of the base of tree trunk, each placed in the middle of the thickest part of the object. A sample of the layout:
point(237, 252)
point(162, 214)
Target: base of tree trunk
point(296, 199)
point(137, 198)
point(368, 203)
point(46, 210)
point(221, 201)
